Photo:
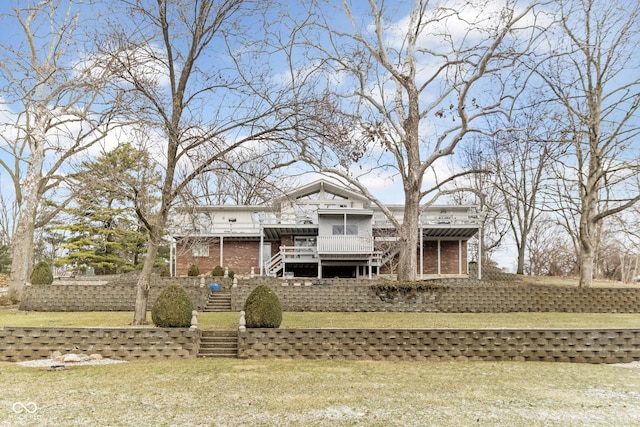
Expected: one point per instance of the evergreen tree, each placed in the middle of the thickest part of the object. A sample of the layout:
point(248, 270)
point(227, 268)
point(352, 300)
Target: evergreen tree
point(105, 228)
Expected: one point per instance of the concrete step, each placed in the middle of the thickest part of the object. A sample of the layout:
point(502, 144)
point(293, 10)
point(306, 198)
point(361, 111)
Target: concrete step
point(218, 301)
point(218, 344)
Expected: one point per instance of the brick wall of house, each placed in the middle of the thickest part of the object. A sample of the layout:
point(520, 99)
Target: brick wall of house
point(449, 258)
point(430, 257)
point(185, 257)
point(241, 256)
point(238, 256)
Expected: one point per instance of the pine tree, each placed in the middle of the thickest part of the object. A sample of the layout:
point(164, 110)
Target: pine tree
point(105, 228)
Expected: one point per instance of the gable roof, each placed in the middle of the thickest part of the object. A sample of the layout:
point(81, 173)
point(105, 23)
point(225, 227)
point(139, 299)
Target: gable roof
point(321, 186)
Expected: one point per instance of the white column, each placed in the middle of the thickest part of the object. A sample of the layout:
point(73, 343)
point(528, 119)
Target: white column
point(459, 256)
point(171, 254)
point(221, 251)
point(480, 253)
point(261, 251)
point(439, 259)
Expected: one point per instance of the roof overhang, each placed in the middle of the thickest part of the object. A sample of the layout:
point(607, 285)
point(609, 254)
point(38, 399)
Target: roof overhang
point(345, 211)
point(276, 231)
point(452, 232)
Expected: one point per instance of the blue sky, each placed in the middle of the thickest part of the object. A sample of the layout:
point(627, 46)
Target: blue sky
point(384, 185)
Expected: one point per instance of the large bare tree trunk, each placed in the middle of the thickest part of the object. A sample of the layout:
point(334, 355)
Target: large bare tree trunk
point(22, 244)
point(408, 260)
point(587, 231)
point(144, 281)
point(22, 255)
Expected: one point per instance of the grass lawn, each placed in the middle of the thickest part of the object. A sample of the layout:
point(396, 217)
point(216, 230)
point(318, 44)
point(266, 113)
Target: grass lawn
point(209, 321)
point(225, 392)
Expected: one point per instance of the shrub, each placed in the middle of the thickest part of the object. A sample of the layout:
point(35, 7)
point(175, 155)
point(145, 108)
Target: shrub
point(164, 271)
point(231, 274)
point(262, 308)
point(41, 274)
point(218, 271)
point(193, 270)
point(172, 308)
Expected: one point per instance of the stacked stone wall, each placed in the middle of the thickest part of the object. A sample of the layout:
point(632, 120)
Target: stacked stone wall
point(348, 295)
point(579, 346)
point(19, 344)
point(115, 296)
point(444, 297)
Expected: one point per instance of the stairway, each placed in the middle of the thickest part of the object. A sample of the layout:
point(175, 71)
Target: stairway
point(218, 301)
point(218, 344)
point(274, 265)
point(385, 257)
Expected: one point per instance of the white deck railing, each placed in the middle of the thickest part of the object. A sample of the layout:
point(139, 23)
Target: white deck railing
point(298, 253)
point(345, 244)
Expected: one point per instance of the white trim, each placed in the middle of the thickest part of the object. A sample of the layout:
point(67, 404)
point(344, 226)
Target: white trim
point(459, 256)
point(439, 259)
point(221, 264)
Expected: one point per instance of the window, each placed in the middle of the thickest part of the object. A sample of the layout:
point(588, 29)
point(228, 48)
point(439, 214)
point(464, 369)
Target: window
point(339, 230)
point(200, 250)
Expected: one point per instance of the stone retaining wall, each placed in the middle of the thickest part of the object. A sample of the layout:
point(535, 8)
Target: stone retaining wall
point(580, 346)
point(552, 345)
point(446, 298)
point(18, 343)
point(109, 297)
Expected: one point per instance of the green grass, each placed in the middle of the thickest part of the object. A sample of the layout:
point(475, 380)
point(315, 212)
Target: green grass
point(211, 321)
point(224, 392)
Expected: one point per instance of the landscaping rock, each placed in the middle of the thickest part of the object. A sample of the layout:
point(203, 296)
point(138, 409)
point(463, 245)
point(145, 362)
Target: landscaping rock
point(71, 358)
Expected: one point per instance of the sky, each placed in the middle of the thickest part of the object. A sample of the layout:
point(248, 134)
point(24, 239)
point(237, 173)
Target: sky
point(384, 185)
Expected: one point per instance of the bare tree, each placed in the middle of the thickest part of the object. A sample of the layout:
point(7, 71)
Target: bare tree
point(243, 177)
point(549, 249)
point(176, 63)
point(592, 74)
point(398, 85)
point(521, 158)
point(479, 189)
point(54, 111)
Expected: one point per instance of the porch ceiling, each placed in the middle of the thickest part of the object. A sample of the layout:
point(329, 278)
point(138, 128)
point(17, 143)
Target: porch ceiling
point(455, 232)
point(275, 232)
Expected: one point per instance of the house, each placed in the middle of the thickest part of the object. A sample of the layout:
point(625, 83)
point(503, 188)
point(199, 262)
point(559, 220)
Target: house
point(320, 230)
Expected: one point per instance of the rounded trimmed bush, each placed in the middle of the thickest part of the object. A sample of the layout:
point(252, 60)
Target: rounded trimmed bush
point(41, 274)
point(193, 271)
point(218, 271)
point(172, 308)
point(262, 308)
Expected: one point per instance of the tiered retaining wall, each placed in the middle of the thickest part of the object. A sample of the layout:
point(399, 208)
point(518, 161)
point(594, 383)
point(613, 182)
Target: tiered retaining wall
point(116, 296)
point(18, 344)
point(447, 298)
point(579, 346)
